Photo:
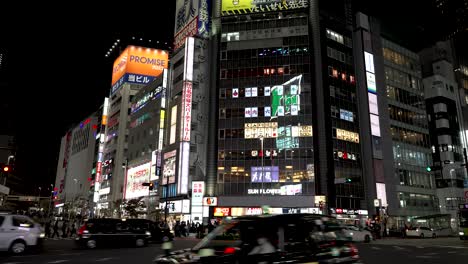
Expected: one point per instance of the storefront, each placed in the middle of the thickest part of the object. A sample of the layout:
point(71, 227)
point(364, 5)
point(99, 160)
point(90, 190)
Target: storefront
point(220, 212)
point(351, 216)
point(178, 210)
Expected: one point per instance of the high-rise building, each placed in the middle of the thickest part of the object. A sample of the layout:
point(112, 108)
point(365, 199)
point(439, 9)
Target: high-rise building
point(445, 101)
point(75, 165)
point(412, 159)
point(133, 69)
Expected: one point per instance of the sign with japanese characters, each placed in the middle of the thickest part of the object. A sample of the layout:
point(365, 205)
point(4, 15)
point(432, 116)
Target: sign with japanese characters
point(136, 176)
point(347, 135)
point(138, 65)
point(236, 7)
point(186, 111)
point(198, 190)
point(192, 19)
point(261, 130)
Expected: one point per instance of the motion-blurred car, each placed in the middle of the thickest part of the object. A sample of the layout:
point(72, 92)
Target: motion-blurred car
point(18, 233)
point(158, 234)
point(357, 234)
point(112, 232)
point(292, 238)
point(421, 232)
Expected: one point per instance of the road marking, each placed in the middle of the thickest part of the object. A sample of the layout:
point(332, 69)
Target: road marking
point(397, 247)
point(14, 262)
point(104, 259)
point(59, 261)
point(452, 247)
point(70, 254)
point(432, 253)
point(452, 252)
point(419, 247)
point(376, 248)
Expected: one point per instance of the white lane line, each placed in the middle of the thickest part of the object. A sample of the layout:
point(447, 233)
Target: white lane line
point(376, 248)
point(419, 247)
point(59, 261)
point(104, 259)
point(452, 252)
point(452, 247)
point(70, 254)
point(397, 247)
point(432, 253)
point(425, 257)
point(14, 262)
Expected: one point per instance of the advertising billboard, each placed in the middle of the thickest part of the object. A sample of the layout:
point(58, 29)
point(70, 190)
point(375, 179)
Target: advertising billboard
point(192, 19)
point(169, 169)
point(265, 174)
point(285, 138)
point(136, 176)
point(138, 65)
point(235, 7)
point(198, 190)
point(261, 130)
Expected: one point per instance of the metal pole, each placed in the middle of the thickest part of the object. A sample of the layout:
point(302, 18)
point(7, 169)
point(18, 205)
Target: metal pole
point(165, 205)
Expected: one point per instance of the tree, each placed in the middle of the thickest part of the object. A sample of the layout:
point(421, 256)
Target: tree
point(134, 207)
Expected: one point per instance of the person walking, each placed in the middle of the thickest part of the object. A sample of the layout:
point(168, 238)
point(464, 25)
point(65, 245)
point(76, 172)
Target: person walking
point(56, 230)
point(47, 228)
point(73, 229)
point(64, 229)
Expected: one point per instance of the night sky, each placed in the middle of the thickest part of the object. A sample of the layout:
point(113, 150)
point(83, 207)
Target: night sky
point(56, 72)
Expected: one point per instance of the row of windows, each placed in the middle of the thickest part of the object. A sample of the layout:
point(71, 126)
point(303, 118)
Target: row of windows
point(399, 59)
point(407, 116)
point(342, 94)
point(414, 179)
point(270, 154)
point(80, 139)
point(283, 176)
point(266, 53)
point(264, 71)
point(410, 137)
point(417, 200)
point(405, 155)
point(339, 56)
point(402, 79)
point(263, 24)
point(405, 97)
point(340, 74)
point(339, 38)
point(264, 62)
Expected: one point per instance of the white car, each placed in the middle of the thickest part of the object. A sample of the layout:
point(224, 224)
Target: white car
point(357, 234)
point(421, 232)
point(18, 232)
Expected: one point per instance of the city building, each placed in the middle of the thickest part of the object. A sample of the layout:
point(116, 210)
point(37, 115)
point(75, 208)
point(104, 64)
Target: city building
point(445, 100)
point(147, 123)
point(190, 112)
point(132, 71)
point(74, 169)
point(412, 155)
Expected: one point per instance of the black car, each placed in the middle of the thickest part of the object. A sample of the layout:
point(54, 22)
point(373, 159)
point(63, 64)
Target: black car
point(112, 232)
point(292, 238)
point(158, 234)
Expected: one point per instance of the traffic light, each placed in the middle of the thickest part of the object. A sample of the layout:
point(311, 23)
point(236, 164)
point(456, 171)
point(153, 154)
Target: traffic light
point(349, 180)
point(6, 168)
point(428, 169)
point(151, 186)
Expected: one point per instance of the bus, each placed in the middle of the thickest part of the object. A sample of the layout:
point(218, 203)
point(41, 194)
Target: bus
point(463, 221)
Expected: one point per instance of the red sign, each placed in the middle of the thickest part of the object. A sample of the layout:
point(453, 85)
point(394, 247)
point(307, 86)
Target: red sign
point(222, 211)
point(189, 30)
point(339, 211)
point(187, 111)
point(98, 171)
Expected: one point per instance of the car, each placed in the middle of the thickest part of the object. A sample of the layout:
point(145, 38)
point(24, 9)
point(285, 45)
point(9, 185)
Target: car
point(158, 234)
point(421, 232)
point(19, 233)
point(357, 234)
point(112, 232)
point(288, 238)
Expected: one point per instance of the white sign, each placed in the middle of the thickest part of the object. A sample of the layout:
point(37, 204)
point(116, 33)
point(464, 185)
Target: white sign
point(198, 190)
point(267, 111)
point(373, 105)
point(187, 111)
point(104, 191)
point(375, 125)
point(136, 176)
point(369, 61)
point(261, 130)
point(371, 84)
point(235, 92)
point(248, 92)
point(267, 91)
point(377, 202)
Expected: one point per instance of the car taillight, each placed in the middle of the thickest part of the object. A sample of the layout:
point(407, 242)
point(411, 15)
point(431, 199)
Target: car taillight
point(353, 250)
point(229, 251)
point(82, 230)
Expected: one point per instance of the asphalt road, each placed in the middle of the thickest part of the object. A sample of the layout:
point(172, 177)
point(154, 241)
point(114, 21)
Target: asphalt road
point(64, 251)
point(400, 251)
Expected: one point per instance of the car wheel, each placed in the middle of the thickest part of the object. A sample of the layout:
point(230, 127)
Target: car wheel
point(140, 242)
point(422, 236)
point(91, 244)
point(18, 247)
point(367, 239)
point(434, 235)
point(462, 238)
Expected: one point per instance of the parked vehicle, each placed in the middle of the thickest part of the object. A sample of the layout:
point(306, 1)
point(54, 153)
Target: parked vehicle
point(357, 234)
point(18, 233)
point(112, 232)
point(421, 232)
point(291, 238)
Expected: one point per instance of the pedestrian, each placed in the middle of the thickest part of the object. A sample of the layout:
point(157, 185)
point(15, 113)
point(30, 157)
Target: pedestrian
point(64, 229)
point(56, 230)
point(47, 229)
point(73, 229)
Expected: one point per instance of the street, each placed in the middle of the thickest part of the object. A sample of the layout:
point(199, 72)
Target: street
point(392, 250)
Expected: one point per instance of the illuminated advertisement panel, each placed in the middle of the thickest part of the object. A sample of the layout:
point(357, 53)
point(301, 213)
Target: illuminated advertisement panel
point(369, 61)
point(169, 170)
point(192, 19)
point(186, 111)
point(236, 7)
point(136, 176)
point(373, 106)
point(261, 130)
point(347, 135)
point(265, 174)
point(184, 155)
point(285, 98)
point(375, 125)
point(371, 84)
point(138, 65)
point(198, 190)
point(285, 140)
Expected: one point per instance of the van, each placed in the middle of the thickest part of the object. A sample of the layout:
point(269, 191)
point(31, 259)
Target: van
point(19, 233)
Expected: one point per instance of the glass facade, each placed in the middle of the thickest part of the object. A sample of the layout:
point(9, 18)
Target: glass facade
point(408, 128)
point(265, 140)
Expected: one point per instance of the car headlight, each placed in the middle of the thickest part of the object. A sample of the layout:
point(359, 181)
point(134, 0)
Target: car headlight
point(41, 235)
point(148, 233)
point(461, 233)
